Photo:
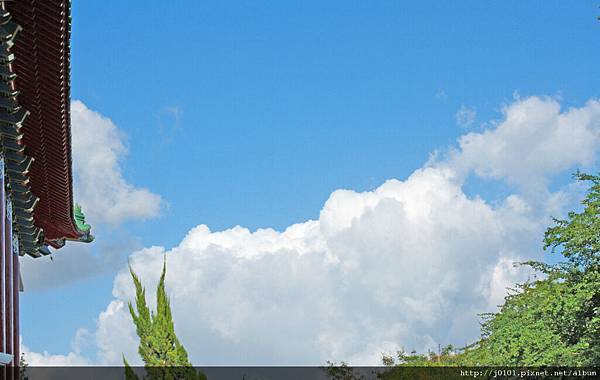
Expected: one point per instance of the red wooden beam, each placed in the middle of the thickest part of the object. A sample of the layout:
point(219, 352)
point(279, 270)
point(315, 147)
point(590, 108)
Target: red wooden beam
point(15, 296)
point(8, 295)
point(3, 227)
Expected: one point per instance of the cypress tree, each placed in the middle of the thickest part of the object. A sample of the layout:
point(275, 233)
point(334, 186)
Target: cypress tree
point(164, 356)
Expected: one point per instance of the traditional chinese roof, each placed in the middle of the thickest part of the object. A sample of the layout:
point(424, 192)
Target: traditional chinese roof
point(35, 97)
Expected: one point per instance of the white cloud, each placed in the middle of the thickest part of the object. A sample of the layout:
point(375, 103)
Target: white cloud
point(46, 359)
point(409, 264)
point(115, 336)
point(100, 188)
point(465, 117)
point(78, 261)
point(377, 267)
point(534, 140)
point(107, 200)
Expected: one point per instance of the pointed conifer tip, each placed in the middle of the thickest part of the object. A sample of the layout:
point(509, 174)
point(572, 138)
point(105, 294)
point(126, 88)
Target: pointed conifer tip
point(161, 283)
point(159, 346)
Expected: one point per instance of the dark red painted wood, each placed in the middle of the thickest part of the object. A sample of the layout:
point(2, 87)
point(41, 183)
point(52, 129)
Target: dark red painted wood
point(42, 66)
point(3, 227)
point(15, 296)
point(8, 296)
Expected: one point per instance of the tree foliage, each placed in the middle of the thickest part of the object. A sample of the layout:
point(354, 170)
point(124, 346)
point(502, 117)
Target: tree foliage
point(341, 372)
point(164, 356)
point(551, 321)
point(554, 320)
point(577, 238)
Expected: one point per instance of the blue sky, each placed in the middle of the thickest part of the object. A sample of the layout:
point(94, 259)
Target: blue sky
point(309, 98)
point(252, 114)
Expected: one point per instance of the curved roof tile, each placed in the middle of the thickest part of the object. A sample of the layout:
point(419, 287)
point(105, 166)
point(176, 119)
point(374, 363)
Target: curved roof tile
point(42, 68)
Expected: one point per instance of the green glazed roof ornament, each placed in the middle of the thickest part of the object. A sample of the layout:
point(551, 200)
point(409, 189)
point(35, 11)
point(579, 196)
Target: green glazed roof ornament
point(81, 224)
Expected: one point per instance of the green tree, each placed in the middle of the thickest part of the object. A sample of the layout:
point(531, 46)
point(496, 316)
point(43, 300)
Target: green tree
point(553, 320)
point(578, 237)
point(164, 356)
point(341, 372)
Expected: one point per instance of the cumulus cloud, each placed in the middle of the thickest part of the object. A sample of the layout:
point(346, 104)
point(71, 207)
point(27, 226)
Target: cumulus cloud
point(379, 269)
point(534, 140)
point(100, 188)
point(76, 261)
point(409, 264)
point(107, 200)
point(46, 359)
